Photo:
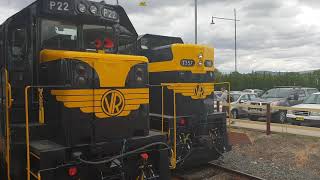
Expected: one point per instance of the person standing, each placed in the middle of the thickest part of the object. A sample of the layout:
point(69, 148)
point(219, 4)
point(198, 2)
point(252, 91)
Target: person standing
point(224, 99)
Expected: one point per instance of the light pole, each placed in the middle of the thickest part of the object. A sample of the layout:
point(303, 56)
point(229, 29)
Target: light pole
point(195, 21)
point(235, 35)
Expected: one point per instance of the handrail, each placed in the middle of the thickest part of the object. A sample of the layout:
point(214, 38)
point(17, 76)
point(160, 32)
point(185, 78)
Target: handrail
point(10, 95)
point(174, 155)
point(29, 172)
point(27, 130)
point(8, 99)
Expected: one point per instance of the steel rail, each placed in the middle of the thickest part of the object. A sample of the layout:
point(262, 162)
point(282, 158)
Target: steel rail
point(235, 172)
point(219, 170)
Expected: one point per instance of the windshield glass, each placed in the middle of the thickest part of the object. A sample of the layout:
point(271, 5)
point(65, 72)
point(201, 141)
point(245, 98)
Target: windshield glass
point(58, 35)
point(313, 99)
point(235, 97)
point(277, 93)
point(153, 41)
point(98, 37)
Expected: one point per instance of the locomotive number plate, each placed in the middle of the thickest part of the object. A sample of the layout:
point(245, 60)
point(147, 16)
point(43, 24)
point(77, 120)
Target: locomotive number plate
point(59, 5)
point(187, 62)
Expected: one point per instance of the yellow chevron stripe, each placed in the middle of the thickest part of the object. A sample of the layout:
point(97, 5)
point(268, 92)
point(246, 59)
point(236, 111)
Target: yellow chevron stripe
point(91, 92)
point(97, 97)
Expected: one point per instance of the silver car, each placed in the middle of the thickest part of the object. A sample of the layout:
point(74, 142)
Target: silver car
point(303, 117)
point(238, 98)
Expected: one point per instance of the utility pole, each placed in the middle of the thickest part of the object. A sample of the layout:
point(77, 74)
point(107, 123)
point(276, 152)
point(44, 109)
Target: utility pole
point(235, 35)
point(117, 2)
point(235, 41)
point(195, 21)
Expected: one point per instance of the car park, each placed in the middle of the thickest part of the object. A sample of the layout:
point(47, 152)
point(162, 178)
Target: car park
point(279, 96)
point(304, 116)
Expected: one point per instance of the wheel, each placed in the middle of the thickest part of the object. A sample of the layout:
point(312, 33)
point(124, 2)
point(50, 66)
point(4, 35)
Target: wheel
point(281, 117)
point(253, 117)
point(235, 114)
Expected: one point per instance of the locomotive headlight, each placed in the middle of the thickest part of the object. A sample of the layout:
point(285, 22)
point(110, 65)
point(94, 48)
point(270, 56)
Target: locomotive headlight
point(93, 9)
point(139, 74)
point(200, 56)
point(82, 7)
point(211, 74)
point(81, 75)
point(208, 63)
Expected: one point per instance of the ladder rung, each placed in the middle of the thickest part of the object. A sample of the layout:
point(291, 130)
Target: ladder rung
point(33, 174)
point(34, 155)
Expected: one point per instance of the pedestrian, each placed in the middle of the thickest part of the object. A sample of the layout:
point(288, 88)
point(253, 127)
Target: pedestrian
point(224, 99)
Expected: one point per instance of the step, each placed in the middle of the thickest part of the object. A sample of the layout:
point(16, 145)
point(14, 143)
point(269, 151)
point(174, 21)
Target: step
point(37, 131)
point(46, 154)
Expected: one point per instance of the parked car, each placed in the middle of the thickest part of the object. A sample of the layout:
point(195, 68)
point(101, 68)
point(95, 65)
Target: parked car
point(279, 96)
point(303, 117)
point(240, 98)
point(259, 92)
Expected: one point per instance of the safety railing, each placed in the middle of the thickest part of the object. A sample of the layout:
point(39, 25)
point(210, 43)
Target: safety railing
point(173, 159)
point(41, 120)
point(167, 85)
point(8, 105)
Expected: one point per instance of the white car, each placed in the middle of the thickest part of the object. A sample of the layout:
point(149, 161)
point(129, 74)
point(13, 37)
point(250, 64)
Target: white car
point(303, 117)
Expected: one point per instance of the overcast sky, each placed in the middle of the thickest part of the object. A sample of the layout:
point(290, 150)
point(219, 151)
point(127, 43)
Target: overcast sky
point(273, 35)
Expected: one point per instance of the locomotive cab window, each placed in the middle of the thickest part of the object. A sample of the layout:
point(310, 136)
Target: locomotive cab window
point(17, 44)
point(58, 35)
point(157, 48)
point(99, 37)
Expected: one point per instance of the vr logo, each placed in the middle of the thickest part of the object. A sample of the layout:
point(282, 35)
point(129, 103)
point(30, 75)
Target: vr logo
point(199, 91)
point(113, 103)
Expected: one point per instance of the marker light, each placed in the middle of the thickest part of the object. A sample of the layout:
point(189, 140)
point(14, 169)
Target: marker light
point(144, 156)
point(182, 122)
point(82, 8)
point(93, 9)
point(72, 171)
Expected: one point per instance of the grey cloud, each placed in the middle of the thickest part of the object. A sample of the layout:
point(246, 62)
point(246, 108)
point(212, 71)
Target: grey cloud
point(270, 37)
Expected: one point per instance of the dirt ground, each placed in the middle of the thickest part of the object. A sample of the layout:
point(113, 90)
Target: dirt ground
point(282, 151)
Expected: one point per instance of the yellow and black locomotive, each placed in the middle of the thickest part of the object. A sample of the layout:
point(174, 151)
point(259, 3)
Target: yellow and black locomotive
point(72, 107)
point(181, 80)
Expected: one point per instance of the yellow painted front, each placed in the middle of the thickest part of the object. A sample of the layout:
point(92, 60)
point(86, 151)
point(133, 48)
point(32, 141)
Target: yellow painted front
point(112, 69)
point(185, 51)
point(90, 100)
point(193, 90)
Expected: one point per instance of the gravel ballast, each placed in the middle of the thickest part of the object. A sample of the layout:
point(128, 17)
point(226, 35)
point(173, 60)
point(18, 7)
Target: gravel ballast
point(278, 156)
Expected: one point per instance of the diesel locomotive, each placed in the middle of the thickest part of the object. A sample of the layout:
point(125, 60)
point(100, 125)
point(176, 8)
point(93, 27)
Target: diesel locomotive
point(181, 80)
point(73, 106)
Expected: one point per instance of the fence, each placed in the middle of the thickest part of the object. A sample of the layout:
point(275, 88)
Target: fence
point(300, 115)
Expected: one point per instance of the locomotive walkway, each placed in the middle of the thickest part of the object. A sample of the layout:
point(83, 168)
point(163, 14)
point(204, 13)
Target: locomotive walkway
point(280, 128)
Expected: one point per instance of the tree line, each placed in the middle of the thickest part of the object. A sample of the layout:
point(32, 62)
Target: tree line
point(268, 80)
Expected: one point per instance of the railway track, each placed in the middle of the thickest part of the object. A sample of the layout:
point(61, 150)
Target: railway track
point(212, 171)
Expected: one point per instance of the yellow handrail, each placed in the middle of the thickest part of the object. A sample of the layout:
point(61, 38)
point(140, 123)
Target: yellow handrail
point(27, 130)
point(10, 95)
point(174, 131)
point(8, 100)
point(162, 117)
